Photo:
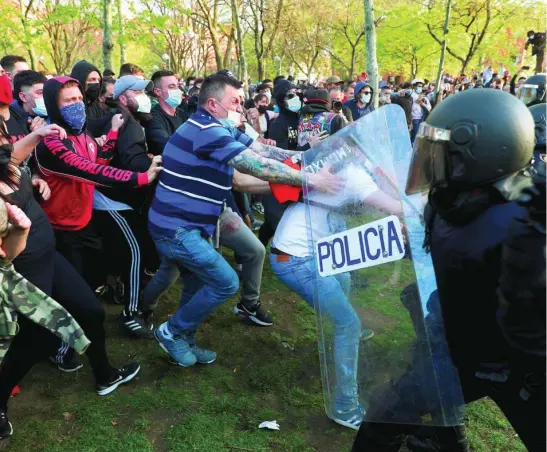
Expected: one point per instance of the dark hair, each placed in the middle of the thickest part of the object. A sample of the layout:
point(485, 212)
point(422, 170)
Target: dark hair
point(106, 81)
point(26, 78)
point(267, 80)
point(8, 62)
point(214, 86)
point(198, 80)
point(158, 75)
point(130, 69)
point(189, 79)
point(108, 73)
point(279, 77)
point(8, 174)
point(259, 97)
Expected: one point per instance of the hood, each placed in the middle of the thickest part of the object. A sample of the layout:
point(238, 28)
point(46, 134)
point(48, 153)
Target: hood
point(359, 86)
point(51, 91)
point(280, 89)
point(81, 70)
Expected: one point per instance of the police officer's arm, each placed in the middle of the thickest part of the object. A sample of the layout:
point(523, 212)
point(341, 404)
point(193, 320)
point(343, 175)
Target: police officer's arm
point(380, 201)
point(249, 162)
point(250, 184)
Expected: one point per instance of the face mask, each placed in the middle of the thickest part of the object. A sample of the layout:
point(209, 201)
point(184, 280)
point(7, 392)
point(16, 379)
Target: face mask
point(262, 109)
point(365, 98)
point(74, 115)
point(383, 99)
point(408, 92)
point(294, 104)
point(175, 98)
point(40, 108)
point(111, 102)
point(92, 91)
point(532, 36)
point(418, 90)
point(232, 120)
point(144, 103)
point(268, 94)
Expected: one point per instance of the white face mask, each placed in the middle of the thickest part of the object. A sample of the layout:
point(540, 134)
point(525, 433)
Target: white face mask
point(365, 98)
point(175, 98)
point(40, 108)
point(294, 104)
point(232, 120)
point(143, 101)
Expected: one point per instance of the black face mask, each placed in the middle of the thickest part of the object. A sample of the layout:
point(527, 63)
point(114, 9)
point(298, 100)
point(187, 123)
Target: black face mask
point(262, 109)
point(111, 102)
point(5, 153)
point(92, 92)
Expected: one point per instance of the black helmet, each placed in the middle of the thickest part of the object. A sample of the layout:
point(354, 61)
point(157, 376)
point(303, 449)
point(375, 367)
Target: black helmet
point(539, 114)
point(533, 90)
point(473, 139)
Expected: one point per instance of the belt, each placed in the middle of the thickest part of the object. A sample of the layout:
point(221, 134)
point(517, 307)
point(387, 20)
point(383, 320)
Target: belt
point(278, 252)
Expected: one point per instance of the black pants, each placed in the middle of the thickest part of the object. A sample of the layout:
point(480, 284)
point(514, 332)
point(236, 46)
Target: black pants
point(53, 274)
point(273, 211)
point(129, 249)
point(83, 249)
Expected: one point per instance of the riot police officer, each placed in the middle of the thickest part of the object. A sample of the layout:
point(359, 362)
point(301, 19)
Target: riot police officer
point(533, 90)
point(539, 114)
point(474, 164)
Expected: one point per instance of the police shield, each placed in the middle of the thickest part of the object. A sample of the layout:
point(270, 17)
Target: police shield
point(381, 338)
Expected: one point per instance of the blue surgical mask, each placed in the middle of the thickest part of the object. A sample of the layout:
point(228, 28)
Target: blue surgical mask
point(40, 108)
point(365, 98)
point(294, 104)
point(419, 90)
point(175, 98)
point(74, 115)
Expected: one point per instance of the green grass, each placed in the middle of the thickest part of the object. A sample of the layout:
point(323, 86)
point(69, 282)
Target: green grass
point(261, 374)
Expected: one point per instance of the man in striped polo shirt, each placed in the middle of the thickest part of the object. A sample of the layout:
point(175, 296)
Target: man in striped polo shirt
point(199, 162)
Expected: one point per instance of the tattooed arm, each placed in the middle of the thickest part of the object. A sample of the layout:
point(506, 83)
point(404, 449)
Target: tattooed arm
point(272, 152)
point(249, 162)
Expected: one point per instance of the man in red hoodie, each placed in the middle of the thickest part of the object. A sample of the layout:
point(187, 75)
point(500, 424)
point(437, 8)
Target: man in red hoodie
point(72, 168)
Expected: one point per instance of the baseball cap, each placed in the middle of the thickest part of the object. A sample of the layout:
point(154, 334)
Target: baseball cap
point(417, 80)
point(130, 82)
point(383, 85)
point(333, 79)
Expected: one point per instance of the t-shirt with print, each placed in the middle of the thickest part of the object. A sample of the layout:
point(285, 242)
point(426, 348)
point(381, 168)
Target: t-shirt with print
point(292, 236)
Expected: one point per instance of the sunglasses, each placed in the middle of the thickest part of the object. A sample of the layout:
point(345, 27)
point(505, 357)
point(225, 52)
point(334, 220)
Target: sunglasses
point(291, 95)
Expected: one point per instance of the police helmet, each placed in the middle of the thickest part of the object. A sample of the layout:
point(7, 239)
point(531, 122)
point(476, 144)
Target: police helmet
point(477, 138)
point(533, 90)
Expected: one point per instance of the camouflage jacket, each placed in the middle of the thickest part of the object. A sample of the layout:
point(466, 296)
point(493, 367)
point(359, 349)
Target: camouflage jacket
point(20, 297)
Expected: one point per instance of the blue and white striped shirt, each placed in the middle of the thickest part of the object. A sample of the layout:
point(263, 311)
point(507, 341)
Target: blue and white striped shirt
point(196, 179)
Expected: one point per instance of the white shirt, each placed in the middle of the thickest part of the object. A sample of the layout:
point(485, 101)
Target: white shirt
point(291, 235)
point(417, 112)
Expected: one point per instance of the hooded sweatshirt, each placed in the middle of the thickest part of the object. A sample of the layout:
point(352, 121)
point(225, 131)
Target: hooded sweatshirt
point(284, 128)
point(356, 111)
point(97, 119)
point(73, 166)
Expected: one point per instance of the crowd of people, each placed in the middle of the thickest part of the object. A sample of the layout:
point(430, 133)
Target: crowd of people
point(154, 176)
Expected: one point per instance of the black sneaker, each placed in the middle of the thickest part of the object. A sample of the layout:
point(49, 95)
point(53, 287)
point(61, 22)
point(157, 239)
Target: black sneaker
point(72, 366)
point(135, 325)
point(255, 314)
point(124, 375)
point(107, 294)
point(6, 429)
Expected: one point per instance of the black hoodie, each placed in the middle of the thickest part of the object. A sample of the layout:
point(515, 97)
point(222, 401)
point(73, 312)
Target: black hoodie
point(284, 128)
point(98, 121)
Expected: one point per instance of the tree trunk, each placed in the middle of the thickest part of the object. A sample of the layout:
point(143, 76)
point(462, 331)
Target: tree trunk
point(260, 69)
point(228, 54)
point(108, 45)
point(372, 61)
point(121, 32)
point(443, 48)
point(242, 60)
point(27, 40)
point(352, 66)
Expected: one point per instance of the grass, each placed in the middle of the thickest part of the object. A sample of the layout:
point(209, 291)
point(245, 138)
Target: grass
point(261, 374)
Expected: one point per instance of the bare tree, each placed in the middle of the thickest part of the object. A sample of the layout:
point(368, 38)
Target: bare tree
point(372, 61)
point(108, 45)
point(242, 60)
point(412, 55)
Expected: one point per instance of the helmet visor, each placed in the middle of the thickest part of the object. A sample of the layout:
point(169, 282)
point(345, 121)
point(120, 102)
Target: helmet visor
point(528, 93)
point(429, 164)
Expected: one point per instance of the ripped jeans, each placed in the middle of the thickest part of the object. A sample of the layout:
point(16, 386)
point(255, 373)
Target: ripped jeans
point(300, 274)
point(235, 235)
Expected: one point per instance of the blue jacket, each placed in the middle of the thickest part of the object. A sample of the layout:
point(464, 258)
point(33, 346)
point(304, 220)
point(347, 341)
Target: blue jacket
point(357, 112)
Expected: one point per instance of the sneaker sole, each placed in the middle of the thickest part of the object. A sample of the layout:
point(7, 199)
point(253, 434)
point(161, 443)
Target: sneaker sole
point(252, 318)
point(348, 424)
point(8, 435)
point(171, 360)
point(65, 370)
point(121, 382)
point(366, 338)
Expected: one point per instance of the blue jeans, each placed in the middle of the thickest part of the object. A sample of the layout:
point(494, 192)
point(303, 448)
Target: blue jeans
point(300, 274)
point(207, 278)
point(415, 127)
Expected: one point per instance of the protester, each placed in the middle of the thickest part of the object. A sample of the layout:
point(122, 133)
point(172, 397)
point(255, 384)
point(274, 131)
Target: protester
point(106, 98)
point(131, 69)
point(361, 104)
point(385, 94)
point(28, 89)
point(337, 103)
point(167, 117)
point(261, 117)
point(186, 208)
point(13, 64)
point(420, 107)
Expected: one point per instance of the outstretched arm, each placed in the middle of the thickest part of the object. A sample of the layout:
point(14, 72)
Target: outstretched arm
point(272, 152)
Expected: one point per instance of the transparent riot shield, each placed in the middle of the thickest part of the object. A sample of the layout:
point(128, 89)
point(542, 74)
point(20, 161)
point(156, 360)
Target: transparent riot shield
point(381, 337)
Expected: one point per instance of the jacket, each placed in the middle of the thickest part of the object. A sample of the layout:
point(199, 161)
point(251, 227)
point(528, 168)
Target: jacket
point(98, 120)
point(73, 166)
point(351, 104)
point(161, 127)
point(316, 119)
point(19, 296)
